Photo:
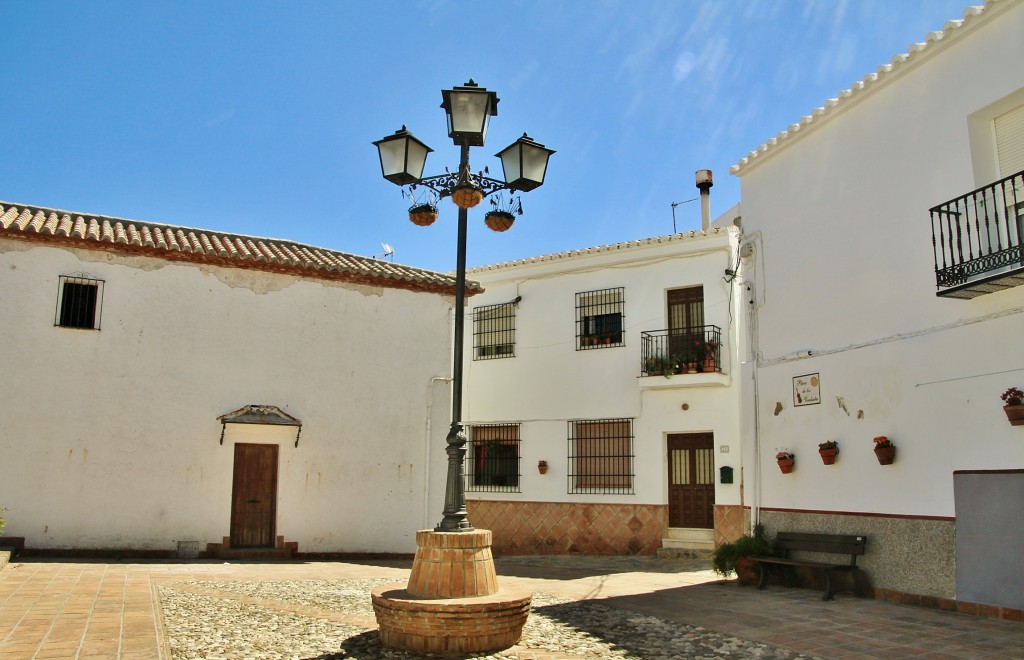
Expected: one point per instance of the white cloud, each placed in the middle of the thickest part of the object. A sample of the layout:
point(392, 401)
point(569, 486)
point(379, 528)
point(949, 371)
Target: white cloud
point(683, 66)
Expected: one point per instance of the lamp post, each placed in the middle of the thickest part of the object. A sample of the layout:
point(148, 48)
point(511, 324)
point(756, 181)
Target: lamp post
point(524, 162)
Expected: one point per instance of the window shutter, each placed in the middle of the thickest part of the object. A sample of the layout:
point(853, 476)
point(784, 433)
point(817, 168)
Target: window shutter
point(1009, 130)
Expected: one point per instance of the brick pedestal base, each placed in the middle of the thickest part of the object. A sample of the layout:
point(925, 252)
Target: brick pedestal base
point(453, 565)
point(450, 625)
point(452, 603)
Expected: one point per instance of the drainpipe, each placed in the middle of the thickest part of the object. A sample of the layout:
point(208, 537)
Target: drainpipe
point(704, 183)
point(426, 449)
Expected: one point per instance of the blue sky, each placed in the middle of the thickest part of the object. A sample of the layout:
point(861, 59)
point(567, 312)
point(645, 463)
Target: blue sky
point(257, 117)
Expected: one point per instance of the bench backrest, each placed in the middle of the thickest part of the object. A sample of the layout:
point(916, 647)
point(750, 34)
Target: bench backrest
point(842, 544)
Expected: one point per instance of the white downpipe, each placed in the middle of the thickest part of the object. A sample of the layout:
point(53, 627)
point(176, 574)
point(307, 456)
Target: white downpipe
point(426, 448)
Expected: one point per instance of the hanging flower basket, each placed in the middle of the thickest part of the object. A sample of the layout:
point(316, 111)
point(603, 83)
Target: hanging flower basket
point(885, 451)
point(423, 215)
point(499, 220)
point(467, 196)
point(786, 461)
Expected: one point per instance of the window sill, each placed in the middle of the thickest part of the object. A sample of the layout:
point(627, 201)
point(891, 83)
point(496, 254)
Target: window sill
point(676, 381)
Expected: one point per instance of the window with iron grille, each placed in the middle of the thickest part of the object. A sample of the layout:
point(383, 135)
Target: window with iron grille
point(79, 302)
point(494, 331)
point(493, 458)
point(599, 318)
point(601, 456)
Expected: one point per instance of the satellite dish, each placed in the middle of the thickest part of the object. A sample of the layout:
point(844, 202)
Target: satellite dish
point(388, 250)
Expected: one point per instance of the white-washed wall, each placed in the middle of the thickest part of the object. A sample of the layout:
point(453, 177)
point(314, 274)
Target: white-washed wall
point(843, 268)
point(111, 440)
point(549, 382)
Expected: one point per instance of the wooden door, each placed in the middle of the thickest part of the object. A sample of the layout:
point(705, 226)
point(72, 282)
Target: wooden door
point(685, 320)
point(254, 496)
point(691, 480)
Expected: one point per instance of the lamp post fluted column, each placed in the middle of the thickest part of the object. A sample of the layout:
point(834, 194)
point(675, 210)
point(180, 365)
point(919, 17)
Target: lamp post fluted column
point(456, 518)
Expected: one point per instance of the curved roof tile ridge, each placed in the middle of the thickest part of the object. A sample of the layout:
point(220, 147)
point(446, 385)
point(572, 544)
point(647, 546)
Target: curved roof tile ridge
point(204, 246)
point(876, 77)
point(599, 249)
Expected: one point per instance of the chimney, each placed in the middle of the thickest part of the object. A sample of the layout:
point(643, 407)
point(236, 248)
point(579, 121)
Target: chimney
point(704, 182)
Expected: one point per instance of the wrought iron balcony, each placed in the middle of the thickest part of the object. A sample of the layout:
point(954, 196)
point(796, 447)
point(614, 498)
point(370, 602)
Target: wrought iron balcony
point(681, 350)
point(977, 240)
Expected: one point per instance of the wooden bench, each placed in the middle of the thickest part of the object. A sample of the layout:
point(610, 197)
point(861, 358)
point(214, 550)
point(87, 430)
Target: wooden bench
point(840, 544)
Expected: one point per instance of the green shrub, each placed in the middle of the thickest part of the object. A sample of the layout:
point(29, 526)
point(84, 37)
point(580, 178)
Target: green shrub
point(725, 556)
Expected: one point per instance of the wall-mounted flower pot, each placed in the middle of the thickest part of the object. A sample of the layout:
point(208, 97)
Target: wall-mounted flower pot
point(786, 465)
point(828, 456)
point(1015, 414)
point(542, 467)
point(885, 455)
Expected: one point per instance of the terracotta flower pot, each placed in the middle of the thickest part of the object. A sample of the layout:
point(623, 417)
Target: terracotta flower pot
point(828, 456)
point(746, 570)
point(786, 465)
point(1015, 414)
point(885, 455)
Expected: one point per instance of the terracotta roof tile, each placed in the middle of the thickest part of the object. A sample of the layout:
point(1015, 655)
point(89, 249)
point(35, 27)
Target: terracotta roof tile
point(601, 249)
point(187, 244)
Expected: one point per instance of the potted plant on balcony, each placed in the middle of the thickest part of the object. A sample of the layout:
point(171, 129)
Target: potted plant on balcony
point(885, 451)
point(786, 460)
point(828, 450)
point(709, 355)
point(1013, 400)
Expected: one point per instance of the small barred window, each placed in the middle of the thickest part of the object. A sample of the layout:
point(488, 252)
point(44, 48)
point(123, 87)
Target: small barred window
point(601, 456)
point(494, 331)
point(79, 301)
point(599, 318)
point(493, 458)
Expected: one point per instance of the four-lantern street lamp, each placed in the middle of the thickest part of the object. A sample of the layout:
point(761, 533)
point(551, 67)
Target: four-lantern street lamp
point(524, 162)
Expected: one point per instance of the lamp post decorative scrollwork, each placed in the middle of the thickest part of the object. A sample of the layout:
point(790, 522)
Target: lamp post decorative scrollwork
point(524, 162)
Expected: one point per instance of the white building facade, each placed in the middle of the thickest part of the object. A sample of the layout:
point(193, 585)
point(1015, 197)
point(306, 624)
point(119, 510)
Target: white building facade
point(882, 249)
point(134, 352)
point(601, 400)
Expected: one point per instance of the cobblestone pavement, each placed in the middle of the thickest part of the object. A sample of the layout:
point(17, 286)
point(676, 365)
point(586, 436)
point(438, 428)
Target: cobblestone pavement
point(614, 607)
point(314, 618)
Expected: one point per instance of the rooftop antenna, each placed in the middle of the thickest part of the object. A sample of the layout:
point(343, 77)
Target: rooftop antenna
point(389, 252)
point(674, 205)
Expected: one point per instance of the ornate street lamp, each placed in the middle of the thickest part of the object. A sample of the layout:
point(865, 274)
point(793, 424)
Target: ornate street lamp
point(402, 157)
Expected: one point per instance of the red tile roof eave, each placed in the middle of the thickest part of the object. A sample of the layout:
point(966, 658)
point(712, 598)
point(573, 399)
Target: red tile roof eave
point(263, 266)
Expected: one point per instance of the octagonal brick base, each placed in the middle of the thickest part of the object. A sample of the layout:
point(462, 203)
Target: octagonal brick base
point(479, 624)
point(452, 603)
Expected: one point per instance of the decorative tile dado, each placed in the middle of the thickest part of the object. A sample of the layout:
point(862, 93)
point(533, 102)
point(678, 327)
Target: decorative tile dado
point(522, 528)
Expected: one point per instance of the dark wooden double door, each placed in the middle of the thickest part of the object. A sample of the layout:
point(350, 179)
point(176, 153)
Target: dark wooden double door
point(691, 480)
point(254, 496)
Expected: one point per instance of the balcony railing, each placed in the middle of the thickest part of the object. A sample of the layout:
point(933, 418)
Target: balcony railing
point(681, 350)
point(977, 240)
